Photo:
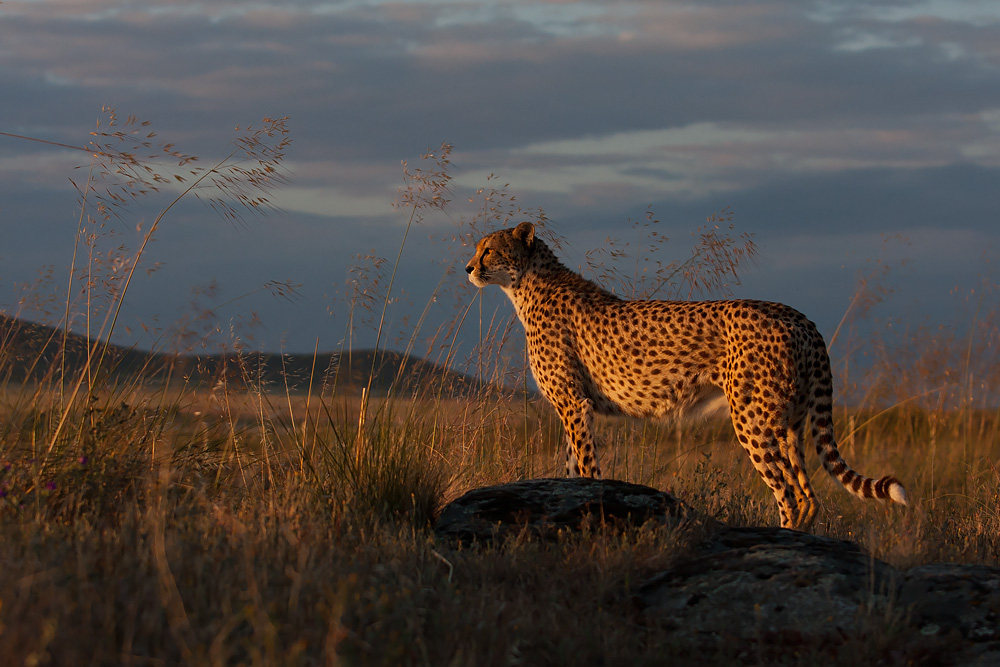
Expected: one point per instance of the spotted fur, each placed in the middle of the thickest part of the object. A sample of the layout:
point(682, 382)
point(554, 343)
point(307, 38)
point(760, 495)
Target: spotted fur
point(592, 352)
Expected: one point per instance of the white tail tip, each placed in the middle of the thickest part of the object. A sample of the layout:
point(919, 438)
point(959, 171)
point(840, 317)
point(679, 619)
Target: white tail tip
point(898, 494)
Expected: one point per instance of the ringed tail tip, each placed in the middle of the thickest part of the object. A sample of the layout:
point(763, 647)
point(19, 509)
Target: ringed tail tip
point(890, 487)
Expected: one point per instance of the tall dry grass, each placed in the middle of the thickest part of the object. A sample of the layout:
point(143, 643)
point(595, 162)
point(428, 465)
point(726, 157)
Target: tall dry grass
point(146, 518)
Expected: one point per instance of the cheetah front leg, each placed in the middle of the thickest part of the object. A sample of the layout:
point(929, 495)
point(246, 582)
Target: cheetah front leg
point(577, 416)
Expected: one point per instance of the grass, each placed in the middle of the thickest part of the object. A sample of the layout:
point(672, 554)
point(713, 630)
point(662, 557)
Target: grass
point(149, 522)
point(185, 544)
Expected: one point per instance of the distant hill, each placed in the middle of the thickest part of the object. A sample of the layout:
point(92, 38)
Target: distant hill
point(31, 351)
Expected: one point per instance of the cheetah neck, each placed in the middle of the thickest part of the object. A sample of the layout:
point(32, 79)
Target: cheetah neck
point(545, 278)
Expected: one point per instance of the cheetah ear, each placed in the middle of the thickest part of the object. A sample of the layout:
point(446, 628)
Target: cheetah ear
point(525, 233)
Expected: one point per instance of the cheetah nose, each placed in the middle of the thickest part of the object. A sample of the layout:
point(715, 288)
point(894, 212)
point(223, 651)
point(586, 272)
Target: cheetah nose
point(469, 268)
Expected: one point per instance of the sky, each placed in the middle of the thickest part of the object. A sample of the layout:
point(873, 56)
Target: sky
point(850, 138)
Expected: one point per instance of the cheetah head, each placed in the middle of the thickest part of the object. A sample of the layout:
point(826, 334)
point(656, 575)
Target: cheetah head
point(501, 257)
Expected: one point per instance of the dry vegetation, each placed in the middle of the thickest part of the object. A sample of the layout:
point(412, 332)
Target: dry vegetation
point(149, 523)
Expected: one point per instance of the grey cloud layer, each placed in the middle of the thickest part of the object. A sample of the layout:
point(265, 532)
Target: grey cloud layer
point(860, 115)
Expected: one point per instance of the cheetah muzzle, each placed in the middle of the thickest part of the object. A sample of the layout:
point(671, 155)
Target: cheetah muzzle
point(591, 352)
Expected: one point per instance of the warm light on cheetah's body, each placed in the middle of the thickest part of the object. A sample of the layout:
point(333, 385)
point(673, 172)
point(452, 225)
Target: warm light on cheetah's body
point(593, 352)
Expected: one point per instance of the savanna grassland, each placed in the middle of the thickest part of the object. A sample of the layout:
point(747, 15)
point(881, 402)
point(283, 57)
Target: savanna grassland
point(151, 516)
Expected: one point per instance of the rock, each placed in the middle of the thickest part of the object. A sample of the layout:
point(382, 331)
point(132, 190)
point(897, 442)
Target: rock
point(544, 507)
point(945, 598)
point(750, 582)
point(782, 591)
point(779, 592)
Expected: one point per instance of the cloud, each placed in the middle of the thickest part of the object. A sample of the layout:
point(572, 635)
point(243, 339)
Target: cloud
point(814, 120)
point(330, 203)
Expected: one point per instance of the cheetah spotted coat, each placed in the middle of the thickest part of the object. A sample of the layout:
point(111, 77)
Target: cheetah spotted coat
point(593, 352)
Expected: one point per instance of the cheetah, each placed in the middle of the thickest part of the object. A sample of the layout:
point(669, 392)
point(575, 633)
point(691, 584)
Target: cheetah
point(592, 352)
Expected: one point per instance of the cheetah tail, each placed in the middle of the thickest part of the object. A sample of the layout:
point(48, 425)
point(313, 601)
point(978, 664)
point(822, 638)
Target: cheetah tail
point(884, 488)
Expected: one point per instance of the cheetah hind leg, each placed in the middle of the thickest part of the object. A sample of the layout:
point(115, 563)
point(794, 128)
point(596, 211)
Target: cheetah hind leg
point(581, 450)
point(796, 477)
point(769, 455)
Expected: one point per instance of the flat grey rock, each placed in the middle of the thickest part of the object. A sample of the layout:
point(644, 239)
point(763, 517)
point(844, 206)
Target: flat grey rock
point(544, 507)
point(775, 589)
point(945, 598)
point(753, 582)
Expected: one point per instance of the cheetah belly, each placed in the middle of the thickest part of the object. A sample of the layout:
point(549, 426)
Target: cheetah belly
point(647, 390)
